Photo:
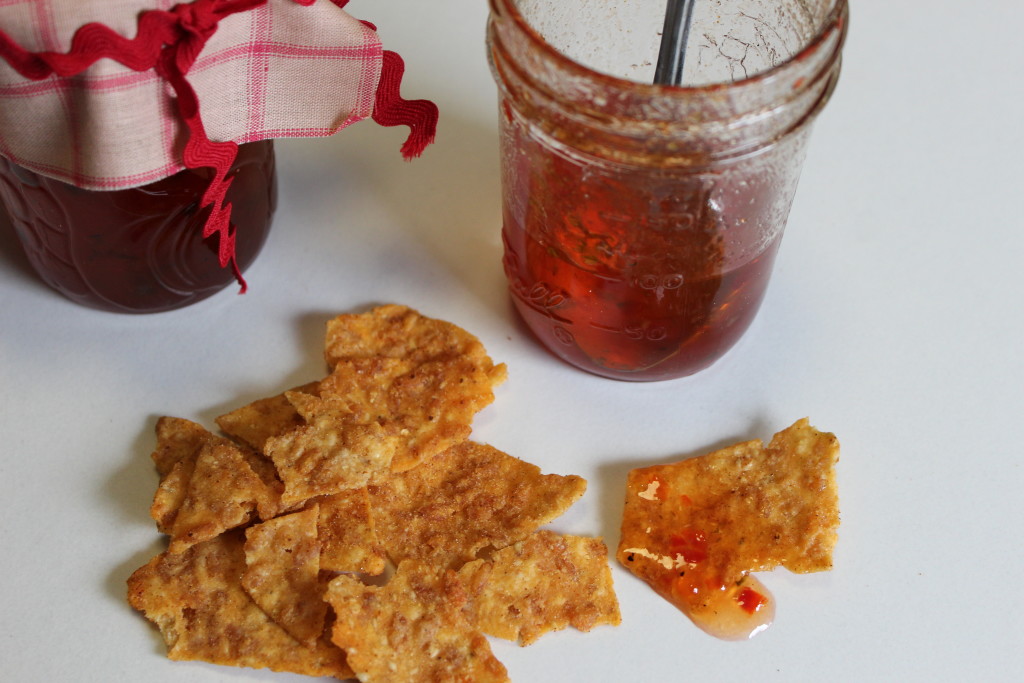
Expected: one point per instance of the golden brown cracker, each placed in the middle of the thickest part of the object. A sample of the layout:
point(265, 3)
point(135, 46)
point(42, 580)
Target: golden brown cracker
point(177, 439)
point(748, 507)
point(254, 423)
point(222, 493)
point(282, 573)
point(328, 455)
point(543, 583)
point(470, 497)
point(396, 331)
point(428, 406)
point(411, 629)
point(196, 600)
point(348, 538)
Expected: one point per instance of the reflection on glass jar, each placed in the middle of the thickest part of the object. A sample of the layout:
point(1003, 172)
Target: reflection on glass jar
point(139, 250)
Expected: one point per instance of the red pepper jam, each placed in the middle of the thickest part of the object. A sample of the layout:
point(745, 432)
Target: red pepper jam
point(627, 276)
point(731, 611)
point(139, 250)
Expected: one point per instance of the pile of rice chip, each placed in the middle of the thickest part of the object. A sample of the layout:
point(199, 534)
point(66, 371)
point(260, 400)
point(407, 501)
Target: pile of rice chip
point(348, 527)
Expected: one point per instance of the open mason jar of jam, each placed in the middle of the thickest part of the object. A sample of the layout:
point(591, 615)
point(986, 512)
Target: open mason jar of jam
point(641, 221)
point(139, 250)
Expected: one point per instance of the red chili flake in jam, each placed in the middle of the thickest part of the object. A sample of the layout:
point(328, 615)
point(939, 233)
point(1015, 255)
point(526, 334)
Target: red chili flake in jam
point(691, 544)
point(750, 600)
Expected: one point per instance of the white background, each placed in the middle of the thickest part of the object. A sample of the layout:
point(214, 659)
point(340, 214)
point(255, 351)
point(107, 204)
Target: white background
point(893, 319)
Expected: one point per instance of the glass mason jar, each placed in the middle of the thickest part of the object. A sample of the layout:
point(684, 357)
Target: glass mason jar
point(139, 250)
point(641, 221)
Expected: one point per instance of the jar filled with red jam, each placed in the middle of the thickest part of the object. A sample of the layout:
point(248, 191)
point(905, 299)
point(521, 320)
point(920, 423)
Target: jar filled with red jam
point(139, 250)
point(641, 221)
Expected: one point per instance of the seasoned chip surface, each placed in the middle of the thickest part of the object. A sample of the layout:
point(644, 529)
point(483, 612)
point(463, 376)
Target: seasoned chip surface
point(196, 600)
point(260, 420)
point(412, 629)
point(177, 447)
point(178, 439)
point(347, 534)
point(543, 583)
point(396, 332)
point(470, 497)
point(694, 529)
point(757, 507)
point(282, 573)
point(222, 493)
point(328, 456)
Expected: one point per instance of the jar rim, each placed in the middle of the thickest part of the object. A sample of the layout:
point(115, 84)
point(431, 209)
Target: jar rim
point(837, 19)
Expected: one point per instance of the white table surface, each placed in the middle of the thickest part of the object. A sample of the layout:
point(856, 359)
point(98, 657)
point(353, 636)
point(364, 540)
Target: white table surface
point(893, 319)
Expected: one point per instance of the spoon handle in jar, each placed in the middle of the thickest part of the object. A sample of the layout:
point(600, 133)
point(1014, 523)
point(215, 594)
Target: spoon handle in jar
point(678, 15)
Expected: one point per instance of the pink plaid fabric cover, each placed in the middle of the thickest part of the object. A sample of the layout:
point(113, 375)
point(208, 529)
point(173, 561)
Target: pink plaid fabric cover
point(287, 68)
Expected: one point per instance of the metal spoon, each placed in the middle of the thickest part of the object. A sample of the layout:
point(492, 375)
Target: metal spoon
point(669, 70)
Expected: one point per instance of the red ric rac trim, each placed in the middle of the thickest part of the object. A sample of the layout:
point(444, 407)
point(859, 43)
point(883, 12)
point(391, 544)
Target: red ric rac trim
point(390, 109)
point(169, 42)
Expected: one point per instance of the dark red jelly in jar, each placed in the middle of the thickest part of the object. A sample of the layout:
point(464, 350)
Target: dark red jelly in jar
point(139, 250)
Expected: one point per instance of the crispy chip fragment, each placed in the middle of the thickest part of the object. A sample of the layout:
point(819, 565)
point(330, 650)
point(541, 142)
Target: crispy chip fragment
point(757, 506)
point(396, 332)
point(470, 497)
point(543, 583)
point(179, 445)
point(256, 422)
point(348, 538)
point(694, 529)
point(177, 439)
point(411, 629)
point(282, 573)
point(196, 600)
point(427, 405)
point(327, 455)
point(223, 493)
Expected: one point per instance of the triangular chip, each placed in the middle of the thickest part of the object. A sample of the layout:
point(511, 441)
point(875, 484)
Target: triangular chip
point(282, 573)
point(328, 455)
point(256, 422)
point(178, 442)
point(470, 497)
point(177, 439)
point(396, 332)
point(223, 493)
point(411, 629)
point(196, 600)
point(694, 529)
point(348, 539)
point(540, 584)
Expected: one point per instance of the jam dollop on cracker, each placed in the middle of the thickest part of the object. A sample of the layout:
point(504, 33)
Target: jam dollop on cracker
point(695, 530)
